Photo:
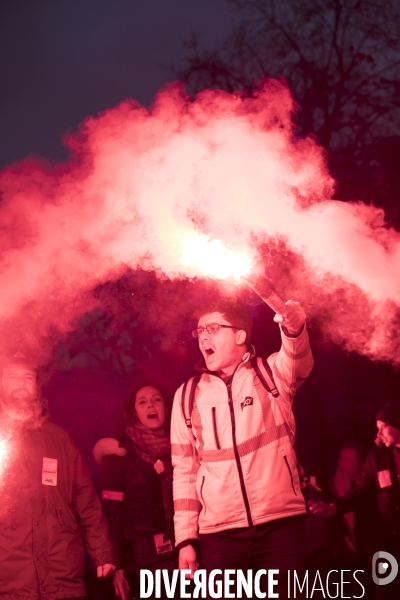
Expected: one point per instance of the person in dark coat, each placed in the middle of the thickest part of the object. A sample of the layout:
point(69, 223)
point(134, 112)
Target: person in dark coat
point(379, 480)
point(350, 532)
point(137, 489)
point(49, 510)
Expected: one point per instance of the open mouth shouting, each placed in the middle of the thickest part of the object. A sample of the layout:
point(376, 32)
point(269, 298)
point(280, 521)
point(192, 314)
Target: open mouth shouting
point(152, 416)
point(208, 352)
point(150, 407)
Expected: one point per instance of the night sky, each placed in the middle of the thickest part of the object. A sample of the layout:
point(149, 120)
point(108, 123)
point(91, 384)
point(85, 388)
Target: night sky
point(64, 60)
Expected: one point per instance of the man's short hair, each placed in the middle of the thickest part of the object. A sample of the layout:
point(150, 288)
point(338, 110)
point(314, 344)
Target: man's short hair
point(233, 311)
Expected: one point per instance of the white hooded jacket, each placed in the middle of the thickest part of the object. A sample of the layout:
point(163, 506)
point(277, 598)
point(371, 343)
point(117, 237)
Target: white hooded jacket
point(236, 467)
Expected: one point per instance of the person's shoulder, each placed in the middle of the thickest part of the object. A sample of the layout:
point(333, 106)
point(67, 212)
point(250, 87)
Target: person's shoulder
point(184, 387)
point(179, 389)
point(55, 429)
point(59, 438)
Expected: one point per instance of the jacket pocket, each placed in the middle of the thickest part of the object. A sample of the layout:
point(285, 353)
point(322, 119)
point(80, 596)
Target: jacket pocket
point(59, 517)
point(66, 519)
point(285, 458)
point(201, 495)
point(214, 420)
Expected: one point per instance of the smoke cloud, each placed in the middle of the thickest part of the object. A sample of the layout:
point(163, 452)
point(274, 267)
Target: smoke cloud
point(139, 181)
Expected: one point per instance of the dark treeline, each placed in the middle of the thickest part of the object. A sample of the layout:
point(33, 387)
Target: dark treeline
point(341, 60)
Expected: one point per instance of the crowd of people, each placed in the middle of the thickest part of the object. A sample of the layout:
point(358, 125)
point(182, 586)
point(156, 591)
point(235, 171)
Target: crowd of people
point(210, 480)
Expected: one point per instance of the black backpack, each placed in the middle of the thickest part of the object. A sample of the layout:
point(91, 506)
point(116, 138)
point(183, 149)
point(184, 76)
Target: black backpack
point(264, 374)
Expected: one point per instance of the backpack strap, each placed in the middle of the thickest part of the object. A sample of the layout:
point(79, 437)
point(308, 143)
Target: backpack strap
point(188, 398)
point(264, 373)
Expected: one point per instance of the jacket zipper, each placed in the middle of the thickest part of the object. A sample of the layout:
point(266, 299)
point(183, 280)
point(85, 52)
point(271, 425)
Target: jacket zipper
point(201, 494)
point(290, 473)
point(214, 418)
point(236, 452)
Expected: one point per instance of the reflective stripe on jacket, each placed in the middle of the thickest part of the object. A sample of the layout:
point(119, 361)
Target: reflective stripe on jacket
point(236, 467)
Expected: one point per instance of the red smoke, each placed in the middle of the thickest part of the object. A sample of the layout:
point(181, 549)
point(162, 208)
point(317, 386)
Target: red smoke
point(139, 180)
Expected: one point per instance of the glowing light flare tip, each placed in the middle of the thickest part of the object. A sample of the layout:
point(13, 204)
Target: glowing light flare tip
point(213, 259)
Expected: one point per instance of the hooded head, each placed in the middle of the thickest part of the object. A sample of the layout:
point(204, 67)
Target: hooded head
point(388, 424)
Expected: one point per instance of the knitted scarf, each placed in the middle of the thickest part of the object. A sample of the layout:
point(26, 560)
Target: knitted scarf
point(150, 444)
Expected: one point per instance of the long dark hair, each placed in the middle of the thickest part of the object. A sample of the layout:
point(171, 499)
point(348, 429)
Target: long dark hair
point(128, 415)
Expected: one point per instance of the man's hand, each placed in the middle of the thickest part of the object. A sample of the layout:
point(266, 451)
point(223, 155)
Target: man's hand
point(105, 570)
point(188, 560)
point(121, 586)
point(293, 319)
point(323, 509)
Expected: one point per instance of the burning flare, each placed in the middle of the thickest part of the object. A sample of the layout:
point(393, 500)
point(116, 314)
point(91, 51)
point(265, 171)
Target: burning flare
point(212, 257)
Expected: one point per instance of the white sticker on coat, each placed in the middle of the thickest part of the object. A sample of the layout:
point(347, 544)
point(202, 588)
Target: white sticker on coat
point(384, 478)
point(49, 471)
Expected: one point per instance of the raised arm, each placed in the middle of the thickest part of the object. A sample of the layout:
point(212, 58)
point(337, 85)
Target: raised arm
point(293, 363)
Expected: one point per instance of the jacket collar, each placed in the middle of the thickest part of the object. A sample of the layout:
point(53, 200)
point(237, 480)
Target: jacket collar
point(202, 368)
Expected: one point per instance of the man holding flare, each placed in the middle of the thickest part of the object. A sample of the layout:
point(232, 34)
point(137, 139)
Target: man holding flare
point(237, 493)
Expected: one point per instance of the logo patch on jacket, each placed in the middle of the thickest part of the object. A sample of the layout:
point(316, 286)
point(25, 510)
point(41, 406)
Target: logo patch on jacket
point(248, 401)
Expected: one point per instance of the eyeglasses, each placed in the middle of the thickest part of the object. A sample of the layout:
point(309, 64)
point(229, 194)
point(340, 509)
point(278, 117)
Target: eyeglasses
point(211, 329)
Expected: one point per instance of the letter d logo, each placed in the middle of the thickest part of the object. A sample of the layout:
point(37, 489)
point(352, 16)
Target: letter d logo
point(383, 567)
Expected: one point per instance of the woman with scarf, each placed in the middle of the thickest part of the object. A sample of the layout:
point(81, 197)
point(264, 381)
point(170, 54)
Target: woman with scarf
point(137, 489)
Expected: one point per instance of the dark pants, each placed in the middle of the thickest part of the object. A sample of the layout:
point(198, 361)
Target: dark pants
point(282, 545)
